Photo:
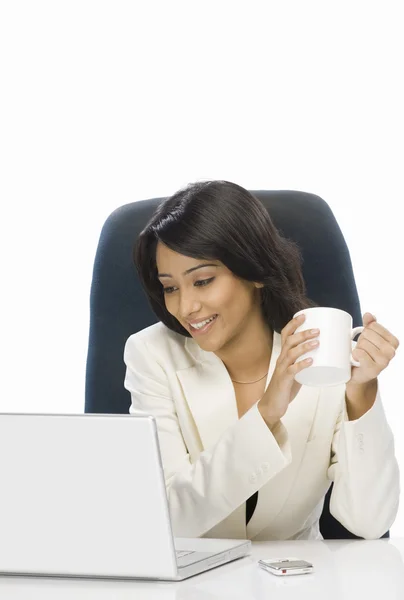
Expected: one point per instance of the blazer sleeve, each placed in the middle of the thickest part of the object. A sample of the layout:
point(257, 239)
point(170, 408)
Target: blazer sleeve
point(365, 472)
point(204, 492)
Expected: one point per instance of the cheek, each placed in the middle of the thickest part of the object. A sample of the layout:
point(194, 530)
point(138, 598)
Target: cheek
point(220, 298)
point(242, 305)
point(233, 300)
point(170, 304)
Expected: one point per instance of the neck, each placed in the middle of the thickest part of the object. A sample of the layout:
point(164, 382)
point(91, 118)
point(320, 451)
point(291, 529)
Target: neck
point(247, 356)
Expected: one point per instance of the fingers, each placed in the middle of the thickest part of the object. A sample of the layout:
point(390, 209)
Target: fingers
point(291, 327)
point(378, 342)
point(295, 368)
point(371, 355)
point(291, 339)
point(383, 333)
point(294, 345)
point(297, 351)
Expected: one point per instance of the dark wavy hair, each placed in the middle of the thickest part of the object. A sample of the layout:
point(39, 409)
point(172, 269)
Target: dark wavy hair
point(219, 220)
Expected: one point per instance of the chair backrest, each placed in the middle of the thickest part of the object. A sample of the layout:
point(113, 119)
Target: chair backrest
point(119, 307)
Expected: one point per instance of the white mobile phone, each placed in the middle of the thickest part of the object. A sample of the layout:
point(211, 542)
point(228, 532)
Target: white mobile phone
point(286, 566)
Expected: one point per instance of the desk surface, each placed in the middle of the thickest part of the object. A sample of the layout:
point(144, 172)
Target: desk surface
point(344, 570)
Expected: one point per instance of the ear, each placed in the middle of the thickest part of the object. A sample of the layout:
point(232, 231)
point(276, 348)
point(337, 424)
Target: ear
point(258, 285)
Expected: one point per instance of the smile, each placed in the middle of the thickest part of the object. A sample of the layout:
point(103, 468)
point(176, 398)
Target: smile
point(203, 326)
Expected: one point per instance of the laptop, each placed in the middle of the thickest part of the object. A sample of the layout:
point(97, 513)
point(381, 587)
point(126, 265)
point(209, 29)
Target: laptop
point(84, 496)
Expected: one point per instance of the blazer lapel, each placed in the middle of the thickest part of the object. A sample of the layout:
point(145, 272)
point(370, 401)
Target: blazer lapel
point(209, 392)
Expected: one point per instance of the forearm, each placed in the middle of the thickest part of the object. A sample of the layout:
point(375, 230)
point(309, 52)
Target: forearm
point(365, 474)
point(245, 458)
point(360, 398)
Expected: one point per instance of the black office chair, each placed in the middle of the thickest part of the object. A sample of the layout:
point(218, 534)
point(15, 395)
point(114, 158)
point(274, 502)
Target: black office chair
point(119, 307)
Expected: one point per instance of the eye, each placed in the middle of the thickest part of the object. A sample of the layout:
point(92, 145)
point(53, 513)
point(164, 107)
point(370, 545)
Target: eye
point(168, 290)
point(199, 283)
point(202, 282)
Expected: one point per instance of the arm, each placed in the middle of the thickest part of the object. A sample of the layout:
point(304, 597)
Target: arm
point(204, 492)
point(365, 472)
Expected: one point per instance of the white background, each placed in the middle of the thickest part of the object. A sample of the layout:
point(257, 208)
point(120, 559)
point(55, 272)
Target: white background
point(107, 102)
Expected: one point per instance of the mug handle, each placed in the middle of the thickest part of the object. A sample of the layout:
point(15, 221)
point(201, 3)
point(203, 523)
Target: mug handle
point(355, 332)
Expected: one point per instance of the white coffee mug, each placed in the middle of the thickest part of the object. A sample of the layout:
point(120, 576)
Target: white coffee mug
point(332, 359)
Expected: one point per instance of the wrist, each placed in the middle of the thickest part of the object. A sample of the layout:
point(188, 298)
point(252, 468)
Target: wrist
point(359, 398)
point(271, 420)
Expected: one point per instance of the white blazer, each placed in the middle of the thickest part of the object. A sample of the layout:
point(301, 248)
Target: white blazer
point(213, 461)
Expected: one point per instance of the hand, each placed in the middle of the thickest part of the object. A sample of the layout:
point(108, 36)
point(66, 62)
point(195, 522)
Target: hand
point(282, 388)
point(375, 349)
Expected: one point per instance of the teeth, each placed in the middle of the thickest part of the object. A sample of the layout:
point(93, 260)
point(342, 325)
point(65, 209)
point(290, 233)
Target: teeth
point(203, 323)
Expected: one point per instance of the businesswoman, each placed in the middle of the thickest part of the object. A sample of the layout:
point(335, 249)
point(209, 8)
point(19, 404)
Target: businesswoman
point(218, 371)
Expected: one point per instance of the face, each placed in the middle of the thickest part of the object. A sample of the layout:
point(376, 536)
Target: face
point(206, 298)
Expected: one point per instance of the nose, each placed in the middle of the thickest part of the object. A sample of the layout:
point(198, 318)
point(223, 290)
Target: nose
point(189, 303)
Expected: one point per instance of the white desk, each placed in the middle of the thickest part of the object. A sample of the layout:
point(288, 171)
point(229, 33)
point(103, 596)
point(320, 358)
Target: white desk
point(344, 570)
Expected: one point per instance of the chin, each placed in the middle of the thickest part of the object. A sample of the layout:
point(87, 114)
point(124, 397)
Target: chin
point(210, 345)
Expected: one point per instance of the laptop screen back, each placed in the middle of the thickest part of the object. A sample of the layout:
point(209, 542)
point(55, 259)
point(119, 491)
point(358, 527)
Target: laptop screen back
point(83, 495)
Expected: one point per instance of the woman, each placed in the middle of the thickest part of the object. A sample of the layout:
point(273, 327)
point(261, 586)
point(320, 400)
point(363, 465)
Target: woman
point(218, 374)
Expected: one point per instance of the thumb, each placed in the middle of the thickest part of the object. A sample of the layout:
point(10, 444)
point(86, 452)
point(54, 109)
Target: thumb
point(368, 318)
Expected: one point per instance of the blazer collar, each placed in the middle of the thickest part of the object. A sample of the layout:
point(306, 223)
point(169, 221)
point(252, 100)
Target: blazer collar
point(209, 391)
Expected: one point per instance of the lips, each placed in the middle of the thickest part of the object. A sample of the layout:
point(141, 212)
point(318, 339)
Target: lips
point(193, 323)
point(206, 327)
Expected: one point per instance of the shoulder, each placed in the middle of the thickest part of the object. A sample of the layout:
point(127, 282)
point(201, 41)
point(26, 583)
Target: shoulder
point(157, 337)
point(161, 344)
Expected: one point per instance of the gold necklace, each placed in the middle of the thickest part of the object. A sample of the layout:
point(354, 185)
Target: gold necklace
point(247, 382)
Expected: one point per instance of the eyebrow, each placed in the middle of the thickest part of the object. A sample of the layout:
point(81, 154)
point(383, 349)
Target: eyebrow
point(161, 275)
